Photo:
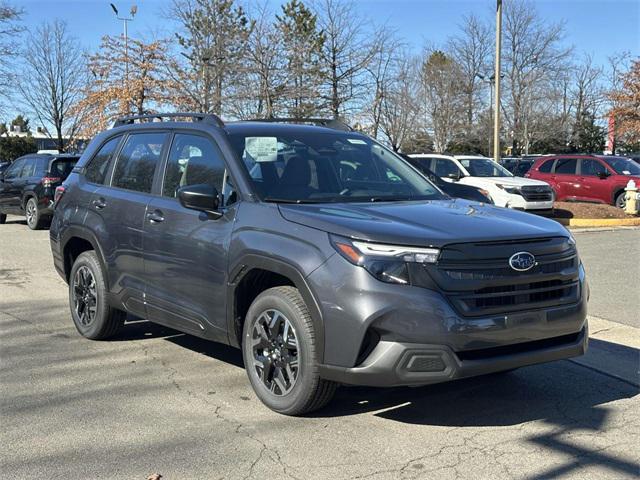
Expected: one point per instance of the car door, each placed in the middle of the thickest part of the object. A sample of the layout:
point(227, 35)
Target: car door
point(11, 187)
point(565, 178)
point(120, 206)
point(185, 251)
point(595, 180)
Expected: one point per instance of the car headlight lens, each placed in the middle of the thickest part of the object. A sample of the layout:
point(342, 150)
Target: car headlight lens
point(509, 188)
point(387, 263)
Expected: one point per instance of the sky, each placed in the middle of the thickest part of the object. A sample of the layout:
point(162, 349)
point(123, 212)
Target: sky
point(598, 27)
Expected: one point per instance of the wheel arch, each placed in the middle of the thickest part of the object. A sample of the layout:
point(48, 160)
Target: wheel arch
point(251, 267)
point(617, 191)
point(75, 241)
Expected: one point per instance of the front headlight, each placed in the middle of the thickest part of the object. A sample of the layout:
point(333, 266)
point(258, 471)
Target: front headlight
point(387, 263)
point(509, 188)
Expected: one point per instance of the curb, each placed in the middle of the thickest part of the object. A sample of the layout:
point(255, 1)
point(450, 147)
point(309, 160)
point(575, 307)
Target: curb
point(598, 222)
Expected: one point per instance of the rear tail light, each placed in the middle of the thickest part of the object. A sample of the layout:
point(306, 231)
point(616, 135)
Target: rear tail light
point(58, 195)
point(48, 181)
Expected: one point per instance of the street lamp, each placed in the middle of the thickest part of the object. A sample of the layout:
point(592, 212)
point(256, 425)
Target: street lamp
point(496, 76)
point(490, 80)
point(125, 21)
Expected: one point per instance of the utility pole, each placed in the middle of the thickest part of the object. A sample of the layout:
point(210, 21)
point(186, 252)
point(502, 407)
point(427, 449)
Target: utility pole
point(496, 110)
point(125, 21)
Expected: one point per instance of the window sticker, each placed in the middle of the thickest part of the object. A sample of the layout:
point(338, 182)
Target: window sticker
point(626, 172)
point(356, 141)
point(262, 149)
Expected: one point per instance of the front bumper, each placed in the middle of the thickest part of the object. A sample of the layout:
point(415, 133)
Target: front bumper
point(393, 364)
point(411, 321)
point(518, 202)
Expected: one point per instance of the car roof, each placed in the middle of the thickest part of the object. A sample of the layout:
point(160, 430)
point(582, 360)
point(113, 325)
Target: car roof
point(245, 127)
point(472, 157)
point(430, 155)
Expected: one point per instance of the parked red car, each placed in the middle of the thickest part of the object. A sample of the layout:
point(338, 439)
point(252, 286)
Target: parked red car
point(587, 178)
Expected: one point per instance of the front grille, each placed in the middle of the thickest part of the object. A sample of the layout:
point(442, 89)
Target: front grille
point(477, 278)
point(534, 193)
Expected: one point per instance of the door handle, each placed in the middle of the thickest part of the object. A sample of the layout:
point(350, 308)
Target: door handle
point(155, 216)
point(99, 203)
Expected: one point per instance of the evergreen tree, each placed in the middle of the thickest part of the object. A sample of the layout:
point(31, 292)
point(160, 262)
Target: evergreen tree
point(302, 43)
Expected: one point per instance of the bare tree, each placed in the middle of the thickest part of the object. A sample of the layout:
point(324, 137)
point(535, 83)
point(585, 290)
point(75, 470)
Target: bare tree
point(53, 77)
point(533, 55)
point(9, 29)
point(472, 49)
point(400, 105)
point(441, 85)
point(383, 71)
point(588, 93)
point(347, 50)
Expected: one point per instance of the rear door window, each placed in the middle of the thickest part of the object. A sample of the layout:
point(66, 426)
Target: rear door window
point(29, 168)
point(137, 161)
point(444, 167)
point(546, 166)
point(566, 166)
point(96, 169)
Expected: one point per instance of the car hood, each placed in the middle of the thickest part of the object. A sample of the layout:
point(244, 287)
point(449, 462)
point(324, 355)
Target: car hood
point(509, 181)
point(426, 223)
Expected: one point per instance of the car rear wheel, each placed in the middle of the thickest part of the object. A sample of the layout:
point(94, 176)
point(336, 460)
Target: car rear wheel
point(34, 219)
point(91, 314)
point(279, 351)
point(621, 200)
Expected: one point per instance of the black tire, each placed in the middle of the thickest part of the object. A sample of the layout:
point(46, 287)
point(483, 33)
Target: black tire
point(34, 218)
point(621, 201)
point(3, 218)
point(308, 392)
point(105, 321)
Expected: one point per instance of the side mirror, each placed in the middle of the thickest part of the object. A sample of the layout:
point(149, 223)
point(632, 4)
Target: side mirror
point(454, 176)
point(200, 197)
point(603, 175)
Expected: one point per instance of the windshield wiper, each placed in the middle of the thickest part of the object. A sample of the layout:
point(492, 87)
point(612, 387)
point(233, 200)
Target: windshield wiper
point(294, 201)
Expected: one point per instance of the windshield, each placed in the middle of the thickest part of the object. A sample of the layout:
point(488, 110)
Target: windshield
point(484, 167)
point(622, 165)
point(312, 167)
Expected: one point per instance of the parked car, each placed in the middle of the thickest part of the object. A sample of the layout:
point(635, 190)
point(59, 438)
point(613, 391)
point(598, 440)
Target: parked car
point(517, 166)
point(4, 165)
point(319, 252)
point(27, 187)
point(588, 178)
point(481, 172)
point(455, 190)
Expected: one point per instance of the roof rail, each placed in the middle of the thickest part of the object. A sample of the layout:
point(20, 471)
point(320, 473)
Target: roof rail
point(209, 118)
point(322, 122)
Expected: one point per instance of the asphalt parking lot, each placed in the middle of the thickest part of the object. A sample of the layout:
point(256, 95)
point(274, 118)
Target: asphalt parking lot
point(157, 401)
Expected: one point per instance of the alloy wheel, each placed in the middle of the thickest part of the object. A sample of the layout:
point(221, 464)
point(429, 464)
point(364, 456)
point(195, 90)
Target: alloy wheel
point(31, 213)
point(274, 346)
point(85, 298)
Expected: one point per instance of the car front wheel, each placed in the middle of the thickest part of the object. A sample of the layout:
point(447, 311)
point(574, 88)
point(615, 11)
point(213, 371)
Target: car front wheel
point(3, 218)
point(621, 200)
point(279, 351)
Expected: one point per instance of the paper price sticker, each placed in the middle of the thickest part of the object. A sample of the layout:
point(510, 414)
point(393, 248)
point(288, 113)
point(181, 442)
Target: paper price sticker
point(262, 149)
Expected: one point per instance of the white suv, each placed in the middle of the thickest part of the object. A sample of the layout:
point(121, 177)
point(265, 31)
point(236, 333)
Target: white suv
point(505, 189)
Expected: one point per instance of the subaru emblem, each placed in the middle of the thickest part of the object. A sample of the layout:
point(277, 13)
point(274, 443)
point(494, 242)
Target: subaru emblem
point(522, 261)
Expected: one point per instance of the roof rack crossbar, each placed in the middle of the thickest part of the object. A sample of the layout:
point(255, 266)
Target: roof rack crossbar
point(209, 118)
point(322, 122)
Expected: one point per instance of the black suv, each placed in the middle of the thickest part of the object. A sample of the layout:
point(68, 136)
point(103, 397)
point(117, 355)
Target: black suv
point(27, 187)
point(320, 253)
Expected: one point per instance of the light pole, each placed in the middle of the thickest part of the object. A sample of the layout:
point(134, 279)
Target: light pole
point(125, 21)
point(496, 76)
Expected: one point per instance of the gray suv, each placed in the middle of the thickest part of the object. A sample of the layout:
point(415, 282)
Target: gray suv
point(323, 255)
